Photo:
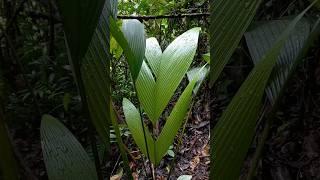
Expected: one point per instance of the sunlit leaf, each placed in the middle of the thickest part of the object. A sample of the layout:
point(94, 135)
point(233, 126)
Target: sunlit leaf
point(133, 42)
point(134, 124)
point(153, 55)
point(174, 122)
point(191, 74)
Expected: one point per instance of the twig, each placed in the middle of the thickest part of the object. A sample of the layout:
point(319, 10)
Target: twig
point(148, 17)
point(144, 132)
point(115, 166)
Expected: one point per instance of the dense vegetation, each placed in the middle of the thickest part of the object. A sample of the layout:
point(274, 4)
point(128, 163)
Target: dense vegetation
point(134, 89)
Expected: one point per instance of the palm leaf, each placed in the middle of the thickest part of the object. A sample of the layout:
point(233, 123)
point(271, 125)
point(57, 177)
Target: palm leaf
point(174, 64)
point(87, 31)
point(133, 120)
point(169, 67)
point(153, 54)
point(145, 86)
point(235, 129)
point(177, 115)
point(95, 72)
point(261, 39)
point(132, 41)
point(158, 84)
point(63, 155)
point(295, 49)
point(228, 21)
point(8, 167)
point(79, 20)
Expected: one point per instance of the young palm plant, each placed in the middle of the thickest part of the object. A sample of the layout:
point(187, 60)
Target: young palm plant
point(159, 77)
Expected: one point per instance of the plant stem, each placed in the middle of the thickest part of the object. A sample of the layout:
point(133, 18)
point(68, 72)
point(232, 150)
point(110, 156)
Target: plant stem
point(119, 141)
point(143, 129)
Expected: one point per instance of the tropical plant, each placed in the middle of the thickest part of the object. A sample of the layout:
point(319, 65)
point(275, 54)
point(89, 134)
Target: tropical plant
point(275, 53)
point(159, 77)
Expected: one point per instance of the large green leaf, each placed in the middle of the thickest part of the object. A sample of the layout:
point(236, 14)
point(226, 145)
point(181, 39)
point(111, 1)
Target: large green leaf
point(145, 86)
point(169, 67)
point(262, 38)
point(177, 115)
point(174, 63)
point(233, 133)
point(228, 21)
point(294, 52)
point(95, 76)
point(153, 54)
point(87, 31)
point(132, 41)
point(79, 21)
point(63, 155)
point(133, 120)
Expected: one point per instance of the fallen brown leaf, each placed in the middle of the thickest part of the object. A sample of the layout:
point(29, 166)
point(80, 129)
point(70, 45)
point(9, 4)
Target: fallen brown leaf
point(194, 163)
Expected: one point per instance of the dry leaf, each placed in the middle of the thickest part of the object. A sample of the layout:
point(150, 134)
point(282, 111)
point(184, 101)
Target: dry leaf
point(194, 163)
point(115, 177)
point(205, 151)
